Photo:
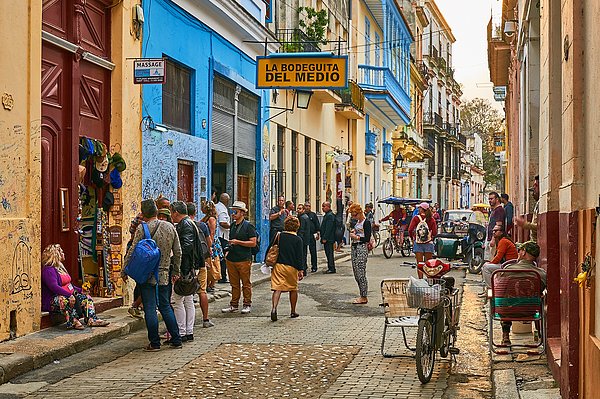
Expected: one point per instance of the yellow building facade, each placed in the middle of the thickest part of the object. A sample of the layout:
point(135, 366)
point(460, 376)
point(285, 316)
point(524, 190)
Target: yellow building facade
point(34, 207)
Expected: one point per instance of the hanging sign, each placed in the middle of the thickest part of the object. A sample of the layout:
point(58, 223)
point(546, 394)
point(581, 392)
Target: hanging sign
point(149, 70)
point(298, 72)
point(414, 165)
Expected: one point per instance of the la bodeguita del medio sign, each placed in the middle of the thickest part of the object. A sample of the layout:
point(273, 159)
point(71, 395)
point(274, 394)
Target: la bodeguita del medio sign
point(302, 72)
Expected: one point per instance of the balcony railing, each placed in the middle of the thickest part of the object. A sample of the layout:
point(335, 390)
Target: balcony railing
point(433, 119)
point(387, 153)
point(423, 70)
point(450, 128)
point(462, 139)
point(352, 95)
point(370, 143)
point(382, 78)
point(295, 41)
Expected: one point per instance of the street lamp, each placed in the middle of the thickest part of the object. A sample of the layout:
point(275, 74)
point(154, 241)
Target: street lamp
point(399, 160)
point(303, 98)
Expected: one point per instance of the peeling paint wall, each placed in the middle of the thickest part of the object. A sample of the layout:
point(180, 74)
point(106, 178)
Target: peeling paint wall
point(126, 114)
point(20, 204)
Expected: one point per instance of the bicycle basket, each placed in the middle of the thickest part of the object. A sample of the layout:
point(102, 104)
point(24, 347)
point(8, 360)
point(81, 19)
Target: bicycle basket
point(424, 294)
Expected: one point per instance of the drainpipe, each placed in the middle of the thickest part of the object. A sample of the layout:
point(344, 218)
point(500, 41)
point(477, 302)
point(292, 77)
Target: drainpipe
point(238, 89)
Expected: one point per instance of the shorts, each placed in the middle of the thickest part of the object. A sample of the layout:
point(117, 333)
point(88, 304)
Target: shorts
point(202, 276)
point(427, 247)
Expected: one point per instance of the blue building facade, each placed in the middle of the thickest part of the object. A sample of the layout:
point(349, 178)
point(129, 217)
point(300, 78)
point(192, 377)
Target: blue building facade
point(203, 129)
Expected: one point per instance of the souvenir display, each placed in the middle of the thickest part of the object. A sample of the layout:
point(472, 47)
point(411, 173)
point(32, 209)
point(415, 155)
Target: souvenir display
point(100, 217)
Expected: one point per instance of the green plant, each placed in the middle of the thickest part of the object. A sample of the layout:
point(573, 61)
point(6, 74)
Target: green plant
point(314, 24)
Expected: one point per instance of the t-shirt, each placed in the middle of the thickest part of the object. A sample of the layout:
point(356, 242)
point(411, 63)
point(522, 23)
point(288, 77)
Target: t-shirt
point(277, 224)
point(243, 232)
point(497, 215)
point(222, 216)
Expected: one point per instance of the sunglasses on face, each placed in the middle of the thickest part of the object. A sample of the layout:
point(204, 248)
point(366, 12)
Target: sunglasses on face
point(234, 212)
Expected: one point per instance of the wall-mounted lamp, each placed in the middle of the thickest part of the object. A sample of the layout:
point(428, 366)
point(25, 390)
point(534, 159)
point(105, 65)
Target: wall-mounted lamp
point(303, 98)
point(399, 160)
point(510, 28)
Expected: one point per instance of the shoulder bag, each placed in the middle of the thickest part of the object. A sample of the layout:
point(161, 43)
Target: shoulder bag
point(273, 253)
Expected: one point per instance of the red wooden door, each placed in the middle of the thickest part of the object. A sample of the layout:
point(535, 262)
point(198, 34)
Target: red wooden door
point(185, 181)
point(75, 102)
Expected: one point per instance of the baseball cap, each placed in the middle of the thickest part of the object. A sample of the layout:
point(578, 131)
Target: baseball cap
point(531, 247)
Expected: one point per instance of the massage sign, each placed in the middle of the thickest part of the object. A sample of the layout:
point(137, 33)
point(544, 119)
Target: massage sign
point(294, 72)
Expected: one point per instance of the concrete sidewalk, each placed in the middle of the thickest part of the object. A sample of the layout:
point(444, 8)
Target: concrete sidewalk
point(38, 349)
point(513, 376)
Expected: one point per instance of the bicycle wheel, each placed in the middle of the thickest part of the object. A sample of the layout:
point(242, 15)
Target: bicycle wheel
point(377, 238)
point(425, 353)
point(388, 248)
point(406, 247)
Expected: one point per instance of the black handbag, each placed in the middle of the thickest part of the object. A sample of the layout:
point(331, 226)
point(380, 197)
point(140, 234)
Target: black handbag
point(187, 284)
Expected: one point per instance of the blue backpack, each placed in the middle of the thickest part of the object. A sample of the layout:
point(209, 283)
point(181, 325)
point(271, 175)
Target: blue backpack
point(145, 258)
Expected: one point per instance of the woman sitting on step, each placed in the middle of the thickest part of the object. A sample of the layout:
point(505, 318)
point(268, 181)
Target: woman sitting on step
point(60, 296)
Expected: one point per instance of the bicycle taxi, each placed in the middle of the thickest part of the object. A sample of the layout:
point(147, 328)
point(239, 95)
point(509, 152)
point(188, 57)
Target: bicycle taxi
point(398, 239)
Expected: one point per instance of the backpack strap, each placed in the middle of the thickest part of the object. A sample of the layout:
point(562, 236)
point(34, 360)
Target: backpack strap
point(146, 230)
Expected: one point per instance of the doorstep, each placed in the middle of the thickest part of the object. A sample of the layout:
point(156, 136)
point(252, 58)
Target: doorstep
point(101, 305)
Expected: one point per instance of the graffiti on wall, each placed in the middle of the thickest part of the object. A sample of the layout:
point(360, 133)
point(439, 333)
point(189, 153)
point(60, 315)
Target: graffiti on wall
point(21, 267)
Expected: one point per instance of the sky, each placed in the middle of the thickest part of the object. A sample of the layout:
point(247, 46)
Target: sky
point(468, 20)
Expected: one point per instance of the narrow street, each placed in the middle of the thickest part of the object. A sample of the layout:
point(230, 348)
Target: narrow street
point(331, 351)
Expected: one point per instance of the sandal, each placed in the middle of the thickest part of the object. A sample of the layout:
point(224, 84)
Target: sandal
point(294, 315)
point(360, 301)
point(78, 326)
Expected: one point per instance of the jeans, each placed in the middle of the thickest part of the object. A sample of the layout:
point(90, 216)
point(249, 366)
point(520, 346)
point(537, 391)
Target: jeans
point(329, 254)
point(149, 299)
point(304, 253)
point(312, 246)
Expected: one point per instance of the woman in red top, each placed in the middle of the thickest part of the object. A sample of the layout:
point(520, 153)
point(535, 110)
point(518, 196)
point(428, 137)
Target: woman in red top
point(423, 229)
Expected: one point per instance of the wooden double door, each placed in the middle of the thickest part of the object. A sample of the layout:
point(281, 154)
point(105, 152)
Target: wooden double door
point(75, 93)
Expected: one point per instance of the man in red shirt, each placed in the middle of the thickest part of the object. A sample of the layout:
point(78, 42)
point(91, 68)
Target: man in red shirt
point(506, 250)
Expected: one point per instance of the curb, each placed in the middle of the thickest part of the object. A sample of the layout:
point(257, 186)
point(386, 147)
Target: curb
point(505, 384)
point(15, 364)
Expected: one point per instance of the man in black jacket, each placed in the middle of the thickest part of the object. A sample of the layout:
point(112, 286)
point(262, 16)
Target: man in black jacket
point(315, 228)
point(185, 312)
point(328, 235)
point(304, 233)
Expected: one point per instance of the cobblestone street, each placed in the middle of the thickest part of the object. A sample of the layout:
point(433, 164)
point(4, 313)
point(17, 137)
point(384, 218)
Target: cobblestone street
point(331, 351)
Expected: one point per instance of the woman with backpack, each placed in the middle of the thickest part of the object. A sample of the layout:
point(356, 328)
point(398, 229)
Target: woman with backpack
point(423, 229)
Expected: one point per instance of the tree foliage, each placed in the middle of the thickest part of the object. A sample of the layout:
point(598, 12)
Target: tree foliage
point(478, 116)
point(314, 24)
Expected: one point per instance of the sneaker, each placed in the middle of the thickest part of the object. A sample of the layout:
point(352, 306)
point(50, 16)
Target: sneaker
point(189, 337)
point(222, 281)
point(207, 324)
point(135, 312)
point(246, 309)
point(196, 298)
point(229, 309)
point(210, 290)
point(173, 346)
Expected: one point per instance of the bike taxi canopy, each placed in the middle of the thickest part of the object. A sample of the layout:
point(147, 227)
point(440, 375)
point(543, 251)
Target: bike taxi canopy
point(403, 201)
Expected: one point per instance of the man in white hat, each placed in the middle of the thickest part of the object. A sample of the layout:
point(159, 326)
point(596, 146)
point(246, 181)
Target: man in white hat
point(242, 238)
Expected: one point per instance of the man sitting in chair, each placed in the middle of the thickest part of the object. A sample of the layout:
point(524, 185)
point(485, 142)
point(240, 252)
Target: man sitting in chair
point(528, 253)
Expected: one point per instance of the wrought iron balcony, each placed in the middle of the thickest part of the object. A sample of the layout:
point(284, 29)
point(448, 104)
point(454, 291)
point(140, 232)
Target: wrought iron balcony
point(352, 95)
point(370, 144)
point(387, 153)
point(433, 119)
point(296, 41)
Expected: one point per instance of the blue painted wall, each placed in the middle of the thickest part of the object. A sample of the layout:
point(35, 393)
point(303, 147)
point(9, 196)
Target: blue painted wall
point(171, 32)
